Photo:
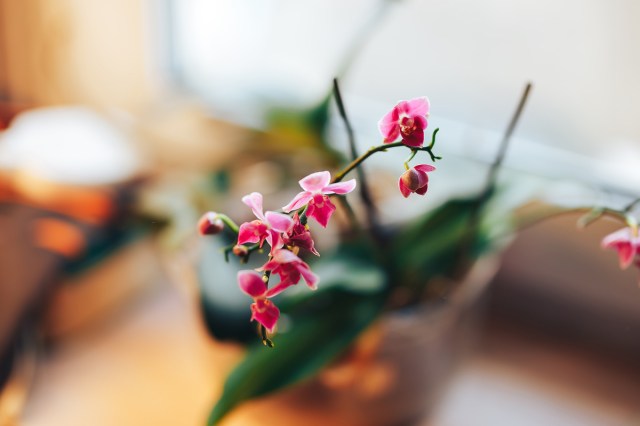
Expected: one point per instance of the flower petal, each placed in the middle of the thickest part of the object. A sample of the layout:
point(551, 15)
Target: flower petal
point(414, 139)
point(254, 200)
point(418, 106)
point(278, 221)
point(266, 313)
point(425, 167)
point(279, 288)
point(315, 181)
point(285, 256)
point(621, 235)
point(626, 253)
point(298, 201)
point(340, 187)
point(251, 283)
point(252, 232)
point(403, 188)
point(420, 122)
point(321, 209)
point(388, 125)
point(309, 277)
point(423, 189)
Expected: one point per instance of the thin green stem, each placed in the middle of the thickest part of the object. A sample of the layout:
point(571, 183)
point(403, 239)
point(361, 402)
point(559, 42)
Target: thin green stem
point(504, 144)
point(433, 138)
point(631, 205)
point(365, 192)
point(229, 222)
point(413, 154)
point(380, 148)
point(250, 249)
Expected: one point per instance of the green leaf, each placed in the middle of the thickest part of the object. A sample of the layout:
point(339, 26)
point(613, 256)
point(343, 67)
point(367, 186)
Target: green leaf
point(311, 343)
point(434, 245)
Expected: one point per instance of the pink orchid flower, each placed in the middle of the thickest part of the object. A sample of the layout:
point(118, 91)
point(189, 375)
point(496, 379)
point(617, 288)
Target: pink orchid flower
point(290, 268)
point(626, 242)
point(269, 226)
point(263, 310)
point(299, 236)
point(415, 180)
point(407, 119)
point(316, 188)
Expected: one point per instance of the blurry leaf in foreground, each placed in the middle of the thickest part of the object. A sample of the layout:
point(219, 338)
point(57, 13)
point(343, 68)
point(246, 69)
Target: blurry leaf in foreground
point(311, 343)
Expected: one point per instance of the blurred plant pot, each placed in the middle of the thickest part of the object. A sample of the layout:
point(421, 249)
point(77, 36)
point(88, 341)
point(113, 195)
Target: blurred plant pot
point(394, 374)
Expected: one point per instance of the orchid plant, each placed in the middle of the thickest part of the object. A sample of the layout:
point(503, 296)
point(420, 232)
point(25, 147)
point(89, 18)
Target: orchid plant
point(393, 267)
point(287, 232)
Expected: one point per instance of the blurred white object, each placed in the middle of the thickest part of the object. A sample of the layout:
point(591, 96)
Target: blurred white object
point(69, 145)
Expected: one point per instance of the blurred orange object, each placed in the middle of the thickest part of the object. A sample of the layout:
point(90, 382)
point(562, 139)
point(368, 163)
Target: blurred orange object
point(92, 205)
point(58, 236)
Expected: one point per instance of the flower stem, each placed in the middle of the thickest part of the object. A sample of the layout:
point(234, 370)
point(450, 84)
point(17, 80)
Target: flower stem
point(631, 205)
point(229, 222)
point(413, 154)
point(365, 192)
point(380, 148)
point(433, 138)
point(504, 144)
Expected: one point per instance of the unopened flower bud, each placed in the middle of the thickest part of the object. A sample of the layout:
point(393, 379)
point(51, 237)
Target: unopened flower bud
point(415, 180)
point(240, 250)
point(210, 224)
point(411, 179)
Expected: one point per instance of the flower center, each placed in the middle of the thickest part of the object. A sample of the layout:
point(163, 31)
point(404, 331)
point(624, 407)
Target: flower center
point(407, 125)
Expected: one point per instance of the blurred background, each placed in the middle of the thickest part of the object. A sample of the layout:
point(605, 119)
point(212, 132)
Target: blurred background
point(123, 121)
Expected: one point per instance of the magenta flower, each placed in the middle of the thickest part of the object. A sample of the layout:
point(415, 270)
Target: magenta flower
point(299, 236)
point(415, 180)
point(407, 119)
point(316, 188)
point(269, 226)
point(626, 242)
point(263, 310)
point(290, 268)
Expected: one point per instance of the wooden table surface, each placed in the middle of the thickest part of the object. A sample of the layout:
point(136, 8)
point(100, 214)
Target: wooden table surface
point(151, 363)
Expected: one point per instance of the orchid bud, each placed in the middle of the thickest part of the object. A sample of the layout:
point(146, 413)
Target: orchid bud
point(412, 180)
point(415, 180)
point(240, 250)
point(210, 224)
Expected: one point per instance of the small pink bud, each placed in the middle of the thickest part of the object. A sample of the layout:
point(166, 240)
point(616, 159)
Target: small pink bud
point(412, 180)
point(415, 180)
point(240, 250)
point(210, 224)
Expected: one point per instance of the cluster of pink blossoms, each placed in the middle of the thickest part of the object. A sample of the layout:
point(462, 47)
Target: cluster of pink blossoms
point(408, 120)
point(626, 242)
point(285, 235)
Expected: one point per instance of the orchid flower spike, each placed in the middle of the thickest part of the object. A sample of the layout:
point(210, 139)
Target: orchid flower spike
point(316, 187)
point(408, 120)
